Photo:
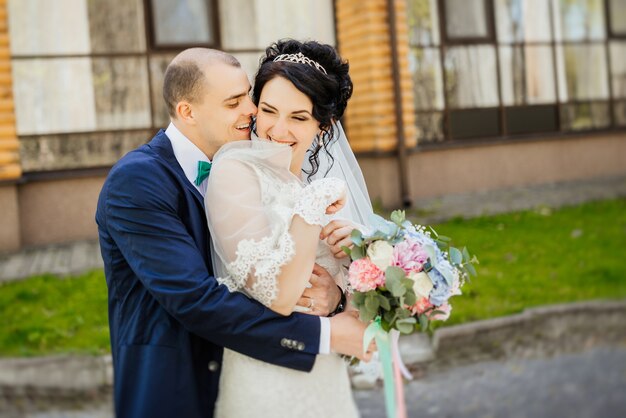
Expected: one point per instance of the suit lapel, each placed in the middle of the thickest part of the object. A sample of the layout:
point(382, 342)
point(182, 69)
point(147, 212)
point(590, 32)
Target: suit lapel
point(163, 147)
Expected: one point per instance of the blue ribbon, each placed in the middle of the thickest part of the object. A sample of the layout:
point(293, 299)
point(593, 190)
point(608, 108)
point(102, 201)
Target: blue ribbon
point(374, 331)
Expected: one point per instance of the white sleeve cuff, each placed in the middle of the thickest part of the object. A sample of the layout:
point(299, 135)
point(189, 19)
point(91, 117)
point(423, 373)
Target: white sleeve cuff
point(324, 335)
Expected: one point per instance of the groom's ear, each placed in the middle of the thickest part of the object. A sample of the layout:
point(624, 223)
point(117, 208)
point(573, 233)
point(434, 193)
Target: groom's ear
point(185, 112)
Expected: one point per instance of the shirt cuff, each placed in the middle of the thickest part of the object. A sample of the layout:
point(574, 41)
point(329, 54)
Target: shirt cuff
point(324, 335)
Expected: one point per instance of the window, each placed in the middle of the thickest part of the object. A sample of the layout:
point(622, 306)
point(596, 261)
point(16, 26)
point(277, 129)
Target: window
point(617, 16)
point(503, 68)
point(466, 19)
point(182, 23)
point(87, 75)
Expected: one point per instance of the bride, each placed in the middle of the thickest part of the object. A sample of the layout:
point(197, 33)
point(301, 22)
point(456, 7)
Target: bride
point(267, 201)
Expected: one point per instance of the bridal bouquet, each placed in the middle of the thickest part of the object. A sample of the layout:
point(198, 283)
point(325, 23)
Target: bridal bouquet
point(403, 276)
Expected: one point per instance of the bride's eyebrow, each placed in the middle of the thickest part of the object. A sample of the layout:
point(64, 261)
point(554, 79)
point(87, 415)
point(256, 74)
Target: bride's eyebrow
point(268, 105)
point(293, 113)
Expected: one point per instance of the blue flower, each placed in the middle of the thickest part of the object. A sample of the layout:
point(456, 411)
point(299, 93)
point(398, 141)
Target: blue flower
point(441, 291)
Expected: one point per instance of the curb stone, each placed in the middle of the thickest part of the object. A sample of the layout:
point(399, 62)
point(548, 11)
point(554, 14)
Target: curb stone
point(547, 330)
point(536, 332)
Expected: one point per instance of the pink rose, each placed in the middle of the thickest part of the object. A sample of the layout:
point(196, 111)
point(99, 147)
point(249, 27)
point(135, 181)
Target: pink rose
point(409, 256)
point(363, 275)
point(445, 309)
point(421, 306)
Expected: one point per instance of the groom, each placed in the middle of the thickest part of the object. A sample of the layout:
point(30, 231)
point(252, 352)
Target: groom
point(168, 317)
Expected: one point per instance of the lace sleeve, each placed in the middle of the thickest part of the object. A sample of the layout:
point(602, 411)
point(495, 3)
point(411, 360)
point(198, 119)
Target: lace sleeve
point(249, 211)
point(316, 197)
point(250, 243)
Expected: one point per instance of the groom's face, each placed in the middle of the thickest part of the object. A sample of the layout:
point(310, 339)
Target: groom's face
point(226, 112)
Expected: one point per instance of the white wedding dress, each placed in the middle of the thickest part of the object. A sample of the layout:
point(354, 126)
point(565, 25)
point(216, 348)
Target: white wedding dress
point(251, 199)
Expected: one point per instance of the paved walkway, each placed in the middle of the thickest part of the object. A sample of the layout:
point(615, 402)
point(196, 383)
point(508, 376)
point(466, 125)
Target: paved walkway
point(584, 385)
point(81, 256)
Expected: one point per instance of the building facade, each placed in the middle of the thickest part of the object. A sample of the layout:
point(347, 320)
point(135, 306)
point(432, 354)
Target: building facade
point(450, 96)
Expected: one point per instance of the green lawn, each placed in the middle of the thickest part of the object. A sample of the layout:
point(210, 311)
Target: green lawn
point(526, 259)
point(541, 257)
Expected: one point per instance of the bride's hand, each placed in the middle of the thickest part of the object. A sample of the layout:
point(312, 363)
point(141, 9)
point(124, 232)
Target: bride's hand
point(337, 234)
point(323, 296)
point(337, 205)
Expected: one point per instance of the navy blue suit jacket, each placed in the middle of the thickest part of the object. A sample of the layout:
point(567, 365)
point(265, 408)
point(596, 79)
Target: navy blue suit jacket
point(168, 317)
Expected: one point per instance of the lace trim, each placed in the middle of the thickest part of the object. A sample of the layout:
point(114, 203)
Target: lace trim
point(316, 197)
point(263, 259)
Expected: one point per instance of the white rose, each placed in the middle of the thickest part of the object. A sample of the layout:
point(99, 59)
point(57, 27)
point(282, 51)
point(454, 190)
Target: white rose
point(422, 285)
point(380, 252)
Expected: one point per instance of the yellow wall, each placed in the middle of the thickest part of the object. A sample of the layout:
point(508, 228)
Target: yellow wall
point(364, 40)
point(9, 145)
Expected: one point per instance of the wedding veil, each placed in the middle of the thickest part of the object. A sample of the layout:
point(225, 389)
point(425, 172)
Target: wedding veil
point(343, 165)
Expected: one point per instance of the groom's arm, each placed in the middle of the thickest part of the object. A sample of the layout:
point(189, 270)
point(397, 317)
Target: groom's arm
point(142, 219)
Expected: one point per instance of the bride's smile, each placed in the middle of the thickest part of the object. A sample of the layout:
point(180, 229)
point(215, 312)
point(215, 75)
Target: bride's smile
point(285, 116)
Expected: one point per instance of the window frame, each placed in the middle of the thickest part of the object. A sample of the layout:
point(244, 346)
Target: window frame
point(504, 134)
point(212, 19)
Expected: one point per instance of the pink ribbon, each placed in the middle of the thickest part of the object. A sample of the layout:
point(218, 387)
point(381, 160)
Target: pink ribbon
point(399, 370)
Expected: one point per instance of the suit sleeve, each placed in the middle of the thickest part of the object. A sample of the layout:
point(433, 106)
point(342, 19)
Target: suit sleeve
point(142, 219)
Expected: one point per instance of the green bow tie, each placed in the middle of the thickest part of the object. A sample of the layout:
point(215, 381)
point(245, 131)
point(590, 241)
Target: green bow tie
point(204, 168)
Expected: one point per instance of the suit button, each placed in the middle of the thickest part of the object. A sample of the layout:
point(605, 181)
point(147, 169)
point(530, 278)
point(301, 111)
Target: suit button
point(300, 346)
point(213, 366)
point(284, 342)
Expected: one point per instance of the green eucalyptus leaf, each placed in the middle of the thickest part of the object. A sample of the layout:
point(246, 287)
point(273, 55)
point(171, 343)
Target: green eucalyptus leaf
point(456, 256)
point(366, 315)
point(384, 302)
point(346, 250)
point(397, 289)
point(423, 322)
point(404, 328)
point(408, 283)
point(470, 269)
point(402, 313)
point(410, 298)
point(389, 316)
point(358, 298)
point(431, 252)
point(357, 237)
point(394, 273)
point(357, 253)
point(398, 216)
point(372, 303)
point(466, 254)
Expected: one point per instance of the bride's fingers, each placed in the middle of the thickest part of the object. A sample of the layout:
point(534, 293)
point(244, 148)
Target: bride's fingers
point(304, 301)
point(336, 206)
point(338, 251)
point(316, 312)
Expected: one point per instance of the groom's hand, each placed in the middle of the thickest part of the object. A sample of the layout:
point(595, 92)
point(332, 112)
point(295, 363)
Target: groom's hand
point(346, 336)
point(337, 234)
point(323, 296)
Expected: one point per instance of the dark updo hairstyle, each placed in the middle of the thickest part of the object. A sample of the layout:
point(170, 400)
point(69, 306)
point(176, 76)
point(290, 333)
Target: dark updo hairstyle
point(328, 92)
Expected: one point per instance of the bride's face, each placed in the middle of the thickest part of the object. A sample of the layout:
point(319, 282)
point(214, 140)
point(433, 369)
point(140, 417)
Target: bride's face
point(285, 115)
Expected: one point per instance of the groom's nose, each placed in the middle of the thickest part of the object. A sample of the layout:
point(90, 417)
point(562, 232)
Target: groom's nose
point(249, 107)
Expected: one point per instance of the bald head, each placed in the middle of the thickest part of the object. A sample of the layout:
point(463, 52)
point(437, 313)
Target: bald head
point(185, 77)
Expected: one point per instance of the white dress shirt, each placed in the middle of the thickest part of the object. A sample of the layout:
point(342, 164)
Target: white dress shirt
point(188, 154)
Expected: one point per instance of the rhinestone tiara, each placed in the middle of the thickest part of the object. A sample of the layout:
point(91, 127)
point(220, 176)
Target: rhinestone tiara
point(299, 58)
